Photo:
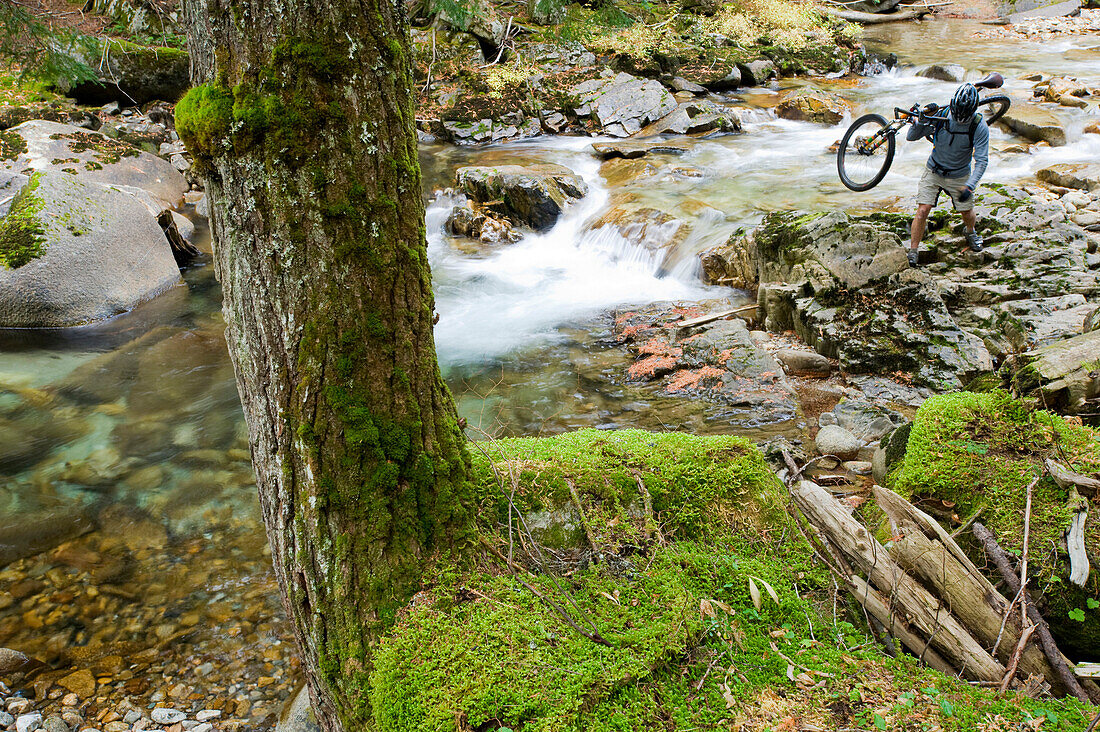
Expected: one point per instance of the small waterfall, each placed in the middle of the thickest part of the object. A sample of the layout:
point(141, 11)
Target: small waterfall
point(520, 294)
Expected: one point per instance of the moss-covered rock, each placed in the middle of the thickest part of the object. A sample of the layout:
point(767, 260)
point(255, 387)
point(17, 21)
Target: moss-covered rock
point(688, 647)
point(979, 452)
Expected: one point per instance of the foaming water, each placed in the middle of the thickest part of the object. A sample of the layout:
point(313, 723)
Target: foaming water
point(520, 294)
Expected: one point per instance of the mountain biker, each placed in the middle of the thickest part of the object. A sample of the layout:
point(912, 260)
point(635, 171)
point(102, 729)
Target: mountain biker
point(956, 138)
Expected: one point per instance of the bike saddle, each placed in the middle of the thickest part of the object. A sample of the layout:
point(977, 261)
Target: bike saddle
point(993, 81)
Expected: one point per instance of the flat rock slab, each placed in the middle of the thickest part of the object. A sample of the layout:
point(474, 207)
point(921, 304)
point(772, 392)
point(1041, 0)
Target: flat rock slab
point(812, 106)
point(632, 150)
point(103, 254)
point(94, 158)
point(1034, 123)
point(1085, 176)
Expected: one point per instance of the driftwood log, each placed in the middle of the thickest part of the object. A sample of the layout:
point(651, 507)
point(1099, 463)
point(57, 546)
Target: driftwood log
point(930, 596)
point(925, 549)
point(875, 18)
point(921, 610)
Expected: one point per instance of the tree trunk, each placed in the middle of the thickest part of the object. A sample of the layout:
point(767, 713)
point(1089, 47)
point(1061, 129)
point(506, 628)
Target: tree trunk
point(303, 125)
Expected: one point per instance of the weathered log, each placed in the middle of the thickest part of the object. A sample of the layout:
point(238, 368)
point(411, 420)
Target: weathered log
point(710, 317)
point(1050, 648)
point(928, 551)
point(874, 18)
point(921, 609)
point(896, 626)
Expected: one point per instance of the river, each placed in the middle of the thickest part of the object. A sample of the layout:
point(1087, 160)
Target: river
point(134, 425)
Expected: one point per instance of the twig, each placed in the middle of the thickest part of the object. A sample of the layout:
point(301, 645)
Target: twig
point(798, 665)
point(1018, 651)
point(1027, 533)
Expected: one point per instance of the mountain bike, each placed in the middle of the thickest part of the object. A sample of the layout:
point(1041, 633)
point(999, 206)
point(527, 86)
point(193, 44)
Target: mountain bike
point(867, 148)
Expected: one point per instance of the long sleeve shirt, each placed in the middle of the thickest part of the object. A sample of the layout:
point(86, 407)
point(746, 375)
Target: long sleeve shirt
point(952, 150)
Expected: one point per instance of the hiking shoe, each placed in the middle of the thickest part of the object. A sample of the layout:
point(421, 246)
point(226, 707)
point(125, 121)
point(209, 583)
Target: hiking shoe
point(912, 254)
point(974, 239)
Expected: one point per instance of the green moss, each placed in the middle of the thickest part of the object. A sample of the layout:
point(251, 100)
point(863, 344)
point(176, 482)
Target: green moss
point(12, 145)
point(980, 450)
point(22, 234)
point(105, 150)
point(688, 648)
point(203, 119)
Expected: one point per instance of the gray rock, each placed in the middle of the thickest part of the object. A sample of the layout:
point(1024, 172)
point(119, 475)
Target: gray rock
point(632, 150)
point(202, 206)
point(167, 715)
point(758, 73)
point(681, 84)
point(835, 440)
point(878, 466)
point(1065, 371)
point(55, 724)
point(695, 117)
point(719, 82)
point(133, 74)
point(1028, 324)
point(859, 467)
point(10, 183)
point(28, 722)
point(866, 420)
point(843, 286)
point(1035, 123)
point(297, 715)
point(95, 158)
point(623, 104)
point(103, 253)
point(827, 418)
point(944, 72)
point(804, 363)
point(6, 720)
point(534, 195)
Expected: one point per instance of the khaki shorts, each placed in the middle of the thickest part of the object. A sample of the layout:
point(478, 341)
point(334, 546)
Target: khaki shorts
point(928, 190)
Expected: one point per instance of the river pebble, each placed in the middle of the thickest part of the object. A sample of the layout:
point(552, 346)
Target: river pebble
point(28, 722)
point(166, 715)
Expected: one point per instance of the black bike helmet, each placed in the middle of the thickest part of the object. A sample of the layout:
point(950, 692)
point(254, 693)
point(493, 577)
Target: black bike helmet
point(964, 103)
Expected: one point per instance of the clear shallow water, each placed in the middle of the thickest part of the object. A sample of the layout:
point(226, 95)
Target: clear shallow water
point(142, 412)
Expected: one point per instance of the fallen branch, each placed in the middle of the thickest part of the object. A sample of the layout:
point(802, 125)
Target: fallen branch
point(1014, 661)
point(1046, 640)
point(873, 19)
point(703, 319)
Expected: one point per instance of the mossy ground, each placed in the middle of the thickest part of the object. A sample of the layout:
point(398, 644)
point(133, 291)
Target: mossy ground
point(689, 648)
point(979, 452)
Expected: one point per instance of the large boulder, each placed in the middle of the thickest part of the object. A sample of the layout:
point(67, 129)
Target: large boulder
point(132, 74)
point(1034, 123)
point(1065, 372)
point(76, 252)
point(623, 104)
point(93, 158)
point(534, 195)
point(844, 287)
point(807, 105)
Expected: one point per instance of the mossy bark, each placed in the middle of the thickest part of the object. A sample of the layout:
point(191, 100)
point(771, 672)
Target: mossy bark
point(318, 225)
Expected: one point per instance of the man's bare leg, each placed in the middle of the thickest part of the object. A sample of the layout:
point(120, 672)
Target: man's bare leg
point(920, 221)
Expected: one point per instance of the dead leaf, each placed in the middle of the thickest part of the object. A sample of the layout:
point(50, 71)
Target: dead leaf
point(707, 608)
point(731, 701)
point(754, 591)
point(612, 598)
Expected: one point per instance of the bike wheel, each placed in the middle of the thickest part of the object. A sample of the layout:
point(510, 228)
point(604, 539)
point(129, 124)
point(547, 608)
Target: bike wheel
point(993, 108)
point(865, 153)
